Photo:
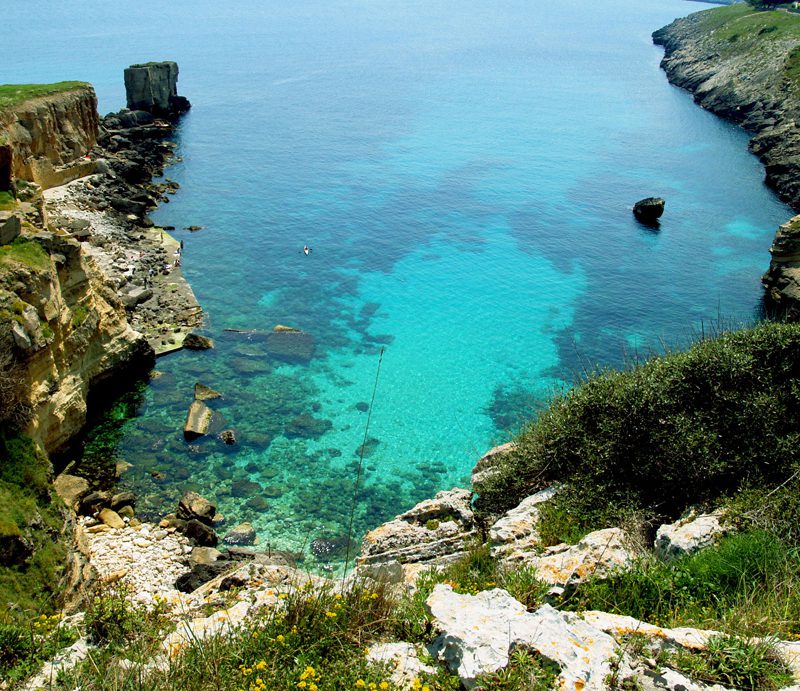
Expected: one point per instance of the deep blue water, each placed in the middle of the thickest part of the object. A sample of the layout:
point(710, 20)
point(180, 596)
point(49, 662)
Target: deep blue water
point(464, 172)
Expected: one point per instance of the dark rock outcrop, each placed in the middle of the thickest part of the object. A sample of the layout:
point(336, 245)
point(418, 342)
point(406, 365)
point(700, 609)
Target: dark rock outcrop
point(649, 210)
point(194, 507)
point(152, 87)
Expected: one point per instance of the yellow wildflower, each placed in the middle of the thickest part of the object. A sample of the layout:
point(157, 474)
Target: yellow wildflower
point(360, 683)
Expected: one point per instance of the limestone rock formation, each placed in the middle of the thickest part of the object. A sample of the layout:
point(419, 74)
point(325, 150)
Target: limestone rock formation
point(479, 632)
point(484, 467)
point(404, 660)
point(688, 535)
point(434, 532)
point(515, 533)
point(47, 138)
point(152, 87)
point(598, 554)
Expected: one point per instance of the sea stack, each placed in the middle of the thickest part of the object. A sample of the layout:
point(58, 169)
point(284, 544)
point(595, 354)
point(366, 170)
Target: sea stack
point(152, 87)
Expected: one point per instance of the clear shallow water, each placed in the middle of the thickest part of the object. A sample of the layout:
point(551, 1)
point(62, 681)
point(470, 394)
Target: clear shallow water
point(464, 173)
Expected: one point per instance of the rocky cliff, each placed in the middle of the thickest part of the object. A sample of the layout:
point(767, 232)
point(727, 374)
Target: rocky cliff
point(152, 87)
point(743, 65)
point(44, 139)
point(68, 331)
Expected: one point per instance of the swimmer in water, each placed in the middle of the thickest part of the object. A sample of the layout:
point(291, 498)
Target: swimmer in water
point(306, 250)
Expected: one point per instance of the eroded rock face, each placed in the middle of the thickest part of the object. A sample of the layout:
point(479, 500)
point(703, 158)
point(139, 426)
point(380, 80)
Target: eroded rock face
point(434, 532)
point(782, 280)
point(485, 465)
point(515, 534)
point(48, 136)
point(479, 632)
point(152, 87)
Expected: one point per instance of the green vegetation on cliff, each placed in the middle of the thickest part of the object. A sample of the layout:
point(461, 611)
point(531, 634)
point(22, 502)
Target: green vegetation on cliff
point(679, 430)
point(14, 94)
point(31, 522)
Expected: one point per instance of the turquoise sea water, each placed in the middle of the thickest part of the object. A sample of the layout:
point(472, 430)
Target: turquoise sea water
point(464, 172)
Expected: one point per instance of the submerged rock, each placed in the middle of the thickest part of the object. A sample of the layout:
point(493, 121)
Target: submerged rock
point(242, 534)
point(649, 210)
point(195, 341)
point(291, 346)
point(307, 427)
point(205, 393)
point(198, 420)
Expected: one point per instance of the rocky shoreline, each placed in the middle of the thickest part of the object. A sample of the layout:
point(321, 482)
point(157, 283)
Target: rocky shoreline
point(745, 80)
point(108, 210)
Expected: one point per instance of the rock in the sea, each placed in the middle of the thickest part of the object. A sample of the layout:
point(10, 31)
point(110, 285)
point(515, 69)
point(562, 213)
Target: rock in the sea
point(242, 534)
point(649, 210)
point(194, 341)
point(122, 499)
point(152, 87)
point(193, 506)
point(202, 534)
point(228, 436)
point(479, 632)
point(689, 535)
point(436, 531)
point(291, 346)
point(205, 393)
point(307, 427)
point(198, 420)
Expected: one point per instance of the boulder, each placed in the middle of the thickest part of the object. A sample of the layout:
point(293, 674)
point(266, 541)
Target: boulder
point(112, 519)
point(649, 210)
point(93, 502)
point(597, 554)
point(122, 499)
point(688, 535)
point(291, 346)
point(15, 549)
point(202, 534)
point(205, 393)
point(71, 489)
point(228, 436)
point(152, 87)
point(10, 227)
point(194, 507)
point(194, 341)
point(479, 632)
point(204, 555)
point(201, 574)
point(198, 420)
point(434, 532)
point(242, 534)
point(403, 660)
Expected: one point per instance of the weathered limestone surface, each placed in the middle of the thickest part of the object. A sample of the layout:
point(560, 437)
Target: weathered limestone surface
point(515, 535)
point(688, 535)
point(434, 532)
point(404, 659)
point(479, 632)
point(782, 280)
point(598, 554)
point(49, 136)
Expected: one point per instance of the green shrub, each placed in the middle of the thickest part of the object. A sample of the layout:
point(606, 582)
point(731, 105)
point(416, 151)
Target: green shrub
point(734, 663)
point(676, 431)
point(745, 582)
point(26, 644)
